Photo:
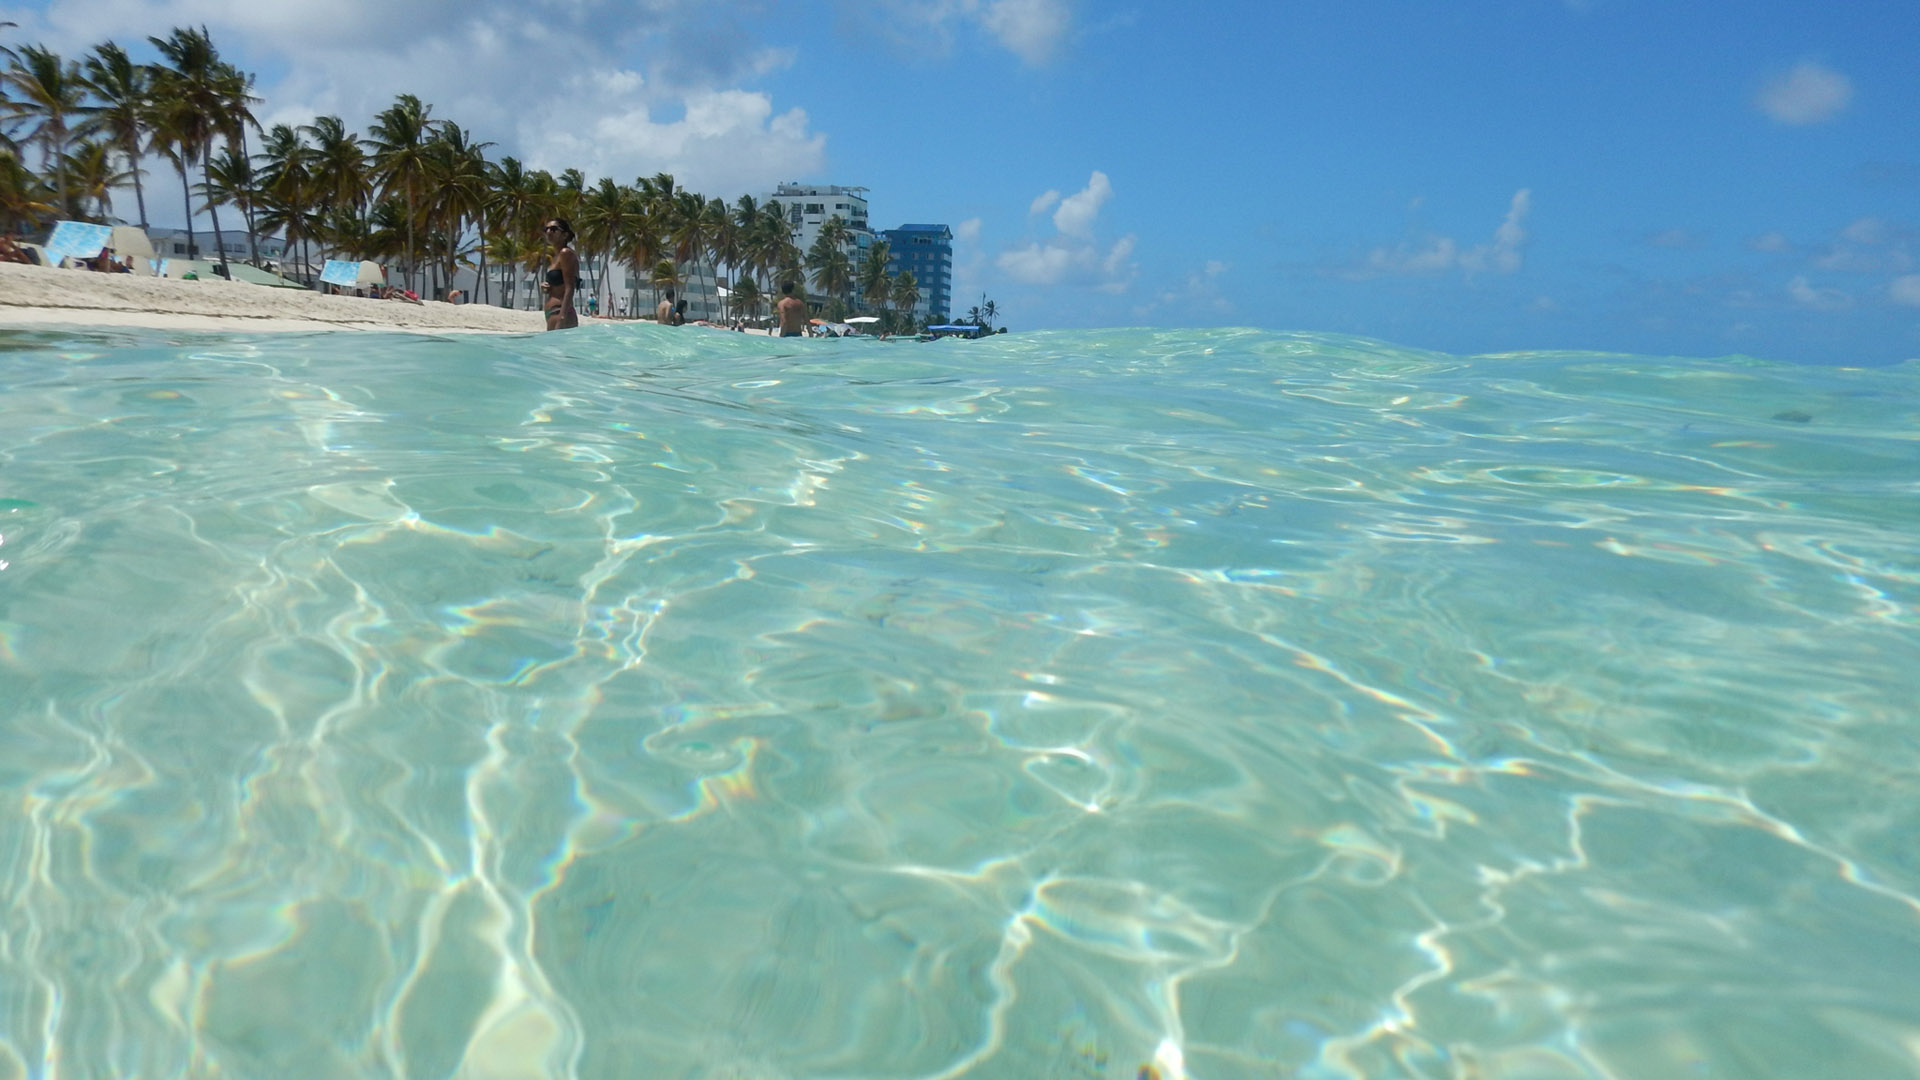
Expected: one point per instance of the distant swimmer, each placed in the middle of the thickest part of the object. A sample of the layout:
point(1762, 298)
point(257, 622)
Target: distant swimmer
point(793, 312)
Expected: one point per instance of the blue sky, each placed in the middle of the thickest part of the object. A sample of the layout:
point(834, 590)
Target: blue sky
point(1651, 177)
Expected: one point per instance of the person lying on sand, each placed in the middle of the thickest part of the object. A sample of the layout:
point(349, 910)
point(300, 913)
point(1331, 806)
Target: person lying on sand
point(12, 252)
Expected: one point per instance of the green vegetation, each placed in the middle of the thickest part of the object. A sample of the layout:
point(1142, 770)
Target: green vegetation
point(417, 191)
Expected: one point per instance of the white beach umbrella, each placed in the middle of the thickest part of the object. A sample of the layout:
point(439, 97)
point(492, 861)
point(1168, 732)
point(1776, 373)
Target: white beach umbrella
point(858, 319)
point(131, 240)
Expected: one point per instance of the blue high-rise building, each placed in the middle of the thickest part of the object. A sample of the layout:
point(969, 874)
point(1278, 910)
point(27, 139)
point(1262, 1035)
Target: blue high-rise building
point(927, 250)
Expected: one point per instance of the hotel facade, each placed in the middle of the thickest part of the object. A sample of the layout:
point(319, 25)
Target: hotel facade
point(926, 251)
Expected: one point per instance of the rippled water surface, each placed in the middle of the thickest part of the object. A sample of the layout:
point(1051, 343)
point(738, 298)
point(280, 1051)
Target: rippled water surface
point(639, 703)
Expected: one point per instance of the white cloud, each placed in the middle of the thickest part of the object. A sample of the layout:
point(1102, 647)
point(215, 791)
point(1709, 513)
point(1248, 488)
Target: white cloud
point(1807, 295)
point(1066, 260)
point(1770, 242)
point(968, 231)
point(1676, 238)
point(1437, 254)
point(1503, 255)
point(1808, 94)
point(628, 87)
point(1866, 230)
point(1038, 264)
point(1868, 245)
point(1198, 293)
point(1028, 28)
point(1073, 256)
point(1077, 211)
point(1905, 289)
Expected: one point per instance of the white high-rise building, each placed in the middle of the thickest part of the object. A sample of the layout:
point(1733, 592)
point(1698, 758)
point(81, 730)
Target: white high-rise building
point(809, 206)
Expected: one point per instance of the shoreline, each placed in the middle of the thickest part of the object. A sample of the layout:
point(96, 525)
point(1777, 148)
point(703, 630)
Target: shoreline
point(33, 297)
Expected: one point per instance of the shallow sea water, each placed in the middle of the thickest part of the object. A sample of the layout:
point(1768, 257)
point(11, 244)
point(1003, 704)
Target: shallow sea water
point(631, 703)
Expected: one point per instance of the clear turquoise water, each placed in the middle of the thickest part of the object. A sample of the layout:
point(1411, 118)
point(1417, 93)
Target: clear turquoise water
point(641, 703)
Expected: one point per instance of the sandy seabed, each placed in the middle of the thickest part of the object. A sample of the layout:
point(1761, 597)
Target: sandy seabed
point(37, 296)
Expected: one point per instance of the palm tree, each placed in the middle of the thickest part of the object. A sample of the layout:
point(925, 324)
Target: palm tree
point(235, 90)
point(400, 135)
point(988, 310)
point(509, 249)
point(665, 275)
point(832, 272)
point(875, 286)
point(92, 172)
point(230, 180)
point(346, 232)
point(125, 109)
point(52, 97)
point(791, 267)
point(457, 172)
point(201, 94)
point(746, 224)
point(603, 220)
point(729, 244)
point(906, 292)
point(171, 137)
point(290, 190)
point(690, 230)
point(389, 231)
point(511, 197)
point(658, 190)
point(746, 297)
point(568, 189)
point(642, 242)
point(339, 168)
point(774, 248)
point(537, 255)
point(25, 198)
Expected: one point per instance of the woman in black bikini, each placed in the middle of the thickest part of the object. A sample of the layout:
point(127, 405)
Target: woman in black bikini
point(563, 278)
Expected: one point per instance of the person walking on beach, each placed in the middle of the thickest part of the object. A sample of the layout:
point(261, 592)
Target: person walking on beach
point(793, 312)
point(563, 277)
point(663, 312)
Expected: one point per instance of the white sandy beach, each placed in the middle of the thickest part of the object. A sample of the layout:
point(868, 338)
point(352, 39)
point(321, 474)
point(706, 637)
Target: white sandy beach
point(37, 296)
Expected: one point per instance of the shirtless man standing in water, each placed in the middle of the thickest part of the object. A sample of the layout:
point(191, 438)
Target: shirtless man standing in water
point(793, 312)
point(663, 311)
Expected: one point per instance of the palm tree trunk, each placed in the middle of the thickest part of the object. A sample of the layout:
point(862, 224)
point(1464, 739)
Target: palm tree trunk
point(480, 285)
point(186, 194)
point(412, 258)
point(253, 244)
point(139, 195)
point(219, 241)
point(246, 207)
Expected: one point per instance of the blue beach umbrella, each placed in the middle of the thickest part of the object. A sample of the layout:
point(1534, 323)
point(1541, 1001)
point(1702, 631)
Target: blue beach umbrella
point(349, 274)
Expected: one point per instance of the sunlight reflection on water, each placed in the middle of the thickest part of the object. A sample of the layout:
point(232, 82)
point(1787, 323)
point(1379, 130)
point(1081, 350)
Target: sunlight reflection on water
point(1226, 704)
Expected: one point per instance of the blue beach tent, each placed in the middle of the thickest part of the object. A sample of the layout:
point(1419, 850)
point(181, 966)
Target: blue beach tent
point(76, 240)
